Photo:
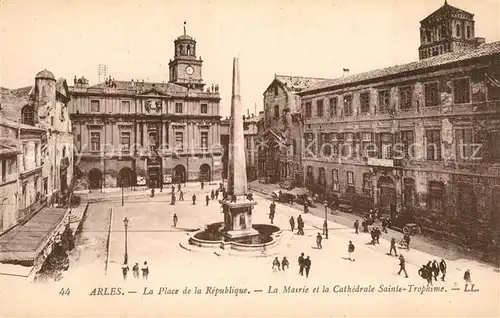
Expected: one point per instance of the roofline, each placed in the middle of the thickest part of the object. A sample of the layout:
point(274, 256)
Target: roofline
point(309, 77)
point(442, 66)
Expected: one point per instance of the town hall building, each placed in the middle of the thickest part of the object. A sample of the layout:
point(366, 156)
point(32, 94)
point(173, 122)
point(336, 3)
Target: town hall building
point(143, 133)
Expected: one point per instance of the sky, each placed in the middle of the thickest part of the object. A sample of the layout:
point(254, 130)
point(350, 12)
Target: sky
point(135, 38)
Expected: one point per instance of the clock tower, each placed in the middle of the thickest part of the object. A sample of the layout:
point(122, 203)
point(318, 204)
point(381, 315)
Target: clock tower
point(185, 68)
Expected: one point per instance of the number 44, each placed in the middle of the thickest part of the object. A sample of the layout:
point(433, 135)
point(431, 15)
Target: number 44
point(64, 292)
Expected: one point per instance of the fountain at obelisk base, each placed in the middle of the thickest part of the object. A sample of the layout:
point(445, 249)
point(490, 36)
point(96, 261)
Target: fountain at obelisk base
point(237, 231)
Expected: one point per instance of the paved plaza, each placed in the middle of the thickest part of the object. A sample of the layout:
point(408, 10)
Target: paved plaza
point(152, 238)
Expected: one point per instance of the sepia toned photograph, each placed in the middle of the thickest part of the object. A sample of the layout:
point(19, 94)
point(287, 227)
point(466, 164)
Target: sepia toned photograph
point(250, 158)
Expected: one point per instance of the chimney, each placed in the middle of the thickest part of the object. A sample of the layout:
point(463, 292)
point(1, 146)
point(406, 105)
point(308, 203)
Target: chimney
point(480, 41)
point(345, 72)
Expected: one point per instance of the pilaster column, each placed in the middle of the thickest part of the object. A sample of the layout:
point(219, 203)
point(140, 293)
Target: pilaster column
point(145, 135)
point(164, 134)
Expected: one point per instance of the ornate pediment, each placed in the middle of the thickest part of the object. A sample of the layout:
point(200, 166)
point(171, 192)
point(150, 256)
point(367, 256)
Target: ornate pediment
point(153, 105)
point(153, 91)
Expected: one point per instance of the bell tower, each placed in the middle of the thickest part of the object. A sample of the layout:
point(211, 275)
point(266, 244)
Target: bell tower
point(186, 69)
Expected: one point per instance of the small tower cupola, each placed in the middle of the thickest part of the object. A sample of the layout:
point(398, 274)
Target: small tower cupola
point(185, 46)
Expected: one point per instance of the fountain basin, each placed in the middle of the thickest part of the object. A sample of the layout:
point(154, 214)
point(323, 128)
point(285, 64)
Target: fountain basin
point(214, 237)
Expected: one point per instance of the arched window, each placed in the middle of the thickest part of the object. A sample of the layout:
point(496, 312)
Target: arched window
point(28, 115)
point(457, 28)
point(188, 49)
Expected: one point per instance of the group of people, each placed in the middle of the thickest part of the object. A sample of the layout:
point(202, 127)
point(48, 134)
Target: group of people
point(278, 266)
point(431, 270)
point(135, 270)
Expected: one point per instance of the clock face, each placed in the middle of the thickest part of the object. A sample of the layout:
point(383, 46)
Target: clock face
point(189, 70)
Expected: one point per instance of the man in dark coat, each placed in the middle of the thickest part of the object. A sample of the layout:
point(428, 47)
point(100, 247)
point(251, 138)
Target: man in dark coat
point(207, 199)
point(194, 199)
point(307, 266)
point(384, 225)
point(301, 264)
point(356, 226)
point(402, 265)
point(172, 199)
point(181, 196)
point(319, 238)
point(467, 278)
point(175, 219)
point(393, 247)
point(292, 223)
point(325, 228)
point(442, 268)
point(284, 263)
point(212, 194)
point(435, 270)
point(350, 250)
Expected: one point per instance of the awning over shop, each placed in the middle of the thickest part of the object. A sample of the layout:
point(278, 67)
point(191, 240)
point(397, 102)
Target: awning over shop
point(23, 244)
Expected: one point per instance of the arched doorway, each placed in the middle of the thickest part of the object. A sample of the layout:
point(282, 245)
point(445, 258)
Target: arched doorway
point(95, 178)
point(205, 174)
point(179, 174)
point(387, 194)
point(125, 178)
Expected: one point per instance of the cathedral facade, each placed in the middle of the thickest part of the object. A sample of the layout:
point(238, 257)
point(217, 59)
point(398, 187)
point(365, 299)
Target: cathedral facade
point(131, 133)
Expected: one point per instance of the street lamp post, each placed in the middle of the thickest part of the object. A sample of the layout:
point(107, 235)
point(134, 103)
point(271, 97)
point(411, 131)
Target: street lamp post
point(125, 223)
point(326, 219)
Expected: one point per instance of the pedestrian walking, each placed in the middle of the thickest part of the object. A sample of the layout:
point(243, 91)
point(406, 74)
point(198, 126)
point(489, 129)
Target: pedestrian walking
point(202, 185)
point(292, 223)
point(442, 268)
point(372, 234)
point(384, 225)
point(377, 235)
point(175, 219)
point(217, 194)
point(212, 194)
point(300, 227)
point(145, 270)
point(307, 265)
point(306, 208)
point(350, 250)
point(325, 227)
point(402, 265)
point(393, 247)
point(364, 225)
point(135, 270)
point(181, 195)
point(271, 217)
point(276, 264)
point(284, 263)
point(428, 273)
point(301, 264)
point(407, 240)
point(435, 270)
point(125, 270)
point(207, 199)
point(172, 199)
point(356, 226)
point(467, 279)
point(152, 192)
point(194, 199)
point(319, 238)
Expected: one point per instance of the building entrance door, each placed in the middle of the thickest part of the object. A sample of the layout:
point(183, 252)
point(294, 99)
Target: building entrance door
point(154, 177)
point(387, 193)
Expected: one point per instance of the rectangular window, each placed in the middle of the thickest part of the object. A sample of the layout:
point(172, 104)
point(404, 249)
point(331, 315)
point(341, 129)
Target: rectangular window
point(325, 145)
point(4, 170)
point(368, 148)
point(204, 108)
point(494, 145)
point(436, 195)
point(348, 105)
point(37, 148)
point(125, 140)
point(431, 94)
point(95, 141)
point(386, 146)
point(204, 140)
point(333, 106)
point(95, 106)
point(276, 111)
point(466, 148)
point(179, 140)
point(178, 108)
point(308, 110)
point(433, 146)
point(364, 99)
point(367, 184)
point(125, 106)
point(350, 183)
point(405, 97)
point(319, 108)
point(335, 144)
point(407, 140)
point(461, 91)
point(384, 100)
point(335, 180)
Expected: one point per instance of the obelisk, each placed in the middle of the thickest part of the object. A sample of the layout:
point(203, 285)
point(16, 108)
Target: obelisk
point(237, 208)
